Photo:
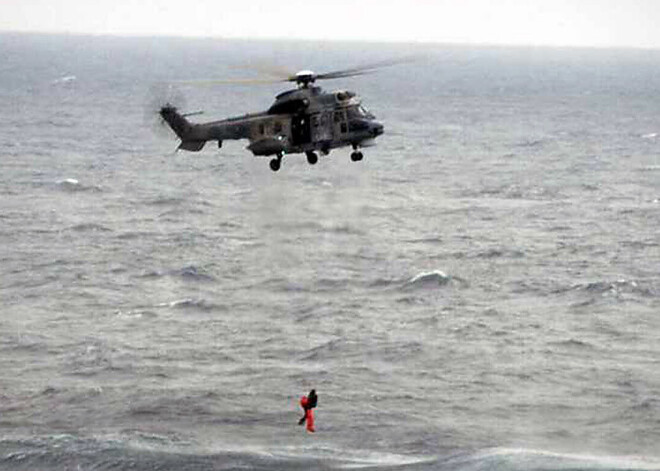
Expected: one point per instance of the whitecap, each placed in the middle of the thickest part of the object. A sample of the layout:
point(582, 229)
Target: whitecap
point(541, 459)
point(67, 79)
point(190, 303)
point(72, 184)
point(430, 279)
point(135, 314)
point(178, 303)
point(347, 459)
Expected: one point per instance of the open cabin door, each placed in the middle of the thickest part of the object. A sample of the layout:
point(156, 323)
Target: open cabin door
point(301, 129)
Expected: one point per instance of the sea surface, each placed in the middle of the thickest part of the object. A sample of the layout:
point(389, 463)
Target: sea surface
point(481, 292)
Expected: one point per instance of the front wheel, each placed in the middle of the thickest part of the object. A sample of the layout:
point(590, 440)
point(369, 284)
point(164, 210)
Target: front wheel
point(356, 156)
point(275, 165)
point(312, 158)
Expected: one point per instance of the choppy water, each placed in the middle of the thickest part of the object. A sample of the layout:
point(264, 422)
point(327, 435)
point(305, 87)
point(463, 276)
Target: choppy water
point(481, 292)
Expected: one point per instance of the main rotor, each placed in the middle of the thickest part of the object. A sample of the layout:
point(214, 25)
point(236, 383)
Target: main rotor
point(303, 78)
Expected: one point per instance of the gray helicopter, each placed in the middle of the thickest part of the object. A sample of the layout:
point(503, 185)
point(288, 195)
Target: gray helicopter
point(303, 120)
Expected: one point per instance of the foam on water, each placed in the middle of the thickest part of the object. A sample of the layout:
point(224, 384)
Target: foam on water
point(155, 451)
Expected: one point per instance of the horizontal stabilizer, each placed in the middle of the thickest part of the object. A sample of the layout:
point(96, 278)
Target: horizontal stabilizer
point(193, 146)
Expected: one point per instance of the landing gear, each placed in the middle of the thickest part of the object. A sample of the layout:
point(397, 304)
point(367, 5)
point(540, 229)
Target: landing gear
point(312, 158)
point(276, 163)
point(356, 156)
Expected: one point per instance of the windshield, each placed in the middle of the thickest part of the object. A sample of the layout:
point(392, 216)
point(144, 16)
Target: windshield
point(359, 112)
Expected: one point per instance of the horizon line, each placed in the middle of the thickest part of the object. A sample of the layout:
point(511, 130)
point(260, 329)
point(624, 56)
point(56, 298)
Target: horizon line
point(422, 43)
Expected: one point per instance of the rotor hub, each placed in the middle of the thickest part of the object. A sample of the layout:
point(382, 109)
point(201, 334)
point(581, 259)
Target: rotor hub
point(305, 77)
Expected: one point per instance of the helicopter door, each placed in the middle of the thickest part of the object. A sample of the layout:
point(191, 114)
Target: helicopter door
point(301, 130)
point(322, 127)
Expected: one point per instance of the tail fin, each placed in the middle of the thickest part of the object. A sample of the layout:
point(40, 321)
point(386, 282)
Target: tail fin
point(182, 127)
point(179, 124)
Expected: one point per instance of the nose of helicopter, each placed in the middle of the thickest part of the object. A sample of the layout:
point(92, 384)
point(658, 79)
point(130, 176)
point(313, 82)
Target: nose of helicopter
point(377, 128)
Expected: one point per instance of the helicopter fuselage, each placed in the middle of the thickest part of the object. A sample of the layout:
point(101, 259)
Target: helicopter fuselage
point(304, 120)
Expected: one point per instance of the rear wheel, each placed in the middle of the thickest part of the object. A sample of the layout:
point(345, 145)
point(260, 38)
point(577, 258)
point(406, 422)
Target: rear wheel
point(356, 156)
point(312, 158)
point(275, 164)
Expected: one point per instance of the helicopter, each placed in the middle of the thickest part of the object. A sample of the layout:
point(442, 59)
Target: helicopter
point(306, 120)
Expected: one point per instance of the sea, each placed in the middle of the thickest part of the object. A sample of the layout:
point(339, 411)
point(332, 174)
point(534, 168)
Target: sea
point(481, 292)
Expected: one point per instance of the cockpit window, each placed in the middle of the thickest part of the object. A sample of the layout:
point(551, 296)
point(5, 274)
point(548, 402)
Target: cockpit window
point(366, 112)
point(345, 95)
point(359, 112)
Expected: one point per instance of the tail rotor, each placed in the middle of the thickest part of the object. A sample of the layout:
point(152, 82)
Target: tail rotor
point(162, 98)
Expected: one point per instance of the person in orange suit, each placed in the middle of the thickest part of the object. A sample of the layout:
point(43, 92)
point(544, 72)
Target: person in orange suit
point(308, 403)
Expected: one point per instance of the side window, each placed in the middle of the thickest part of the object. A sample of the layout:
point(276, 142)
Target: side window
point(277, 128)
point(262, 129)
point(315, 120)
point(339, 116)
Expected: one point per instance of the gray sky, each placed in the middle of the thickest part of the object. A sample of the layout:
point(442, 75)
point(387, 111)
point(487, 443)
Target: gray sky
point(536, 22)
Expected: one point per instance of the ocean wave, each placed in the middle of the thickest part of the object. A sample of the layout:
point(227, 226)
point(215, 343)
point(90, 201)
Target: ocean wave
point(513, 459)
point(135, 314)
point(382, 283)
point(90, 358)
point(165, 201)
point(89, 227)
point(315, 227)
point(68, 395)
point(424, 280)
point(190, 303)
point(323, 351)
point(573, 344)
point(170, 408)
point(431, 240)
point(173, 214)
point(188, 273)
point(397, 351)
point(138, 450)
point(619, 288)
point(72, 185)
point(25, 341)
point(66, 80)
point(432, 279)
point(500, 253)
point(148, 452)
point(151, 274)
point(531, 143)
point(338, 458)
point(193, 273)
point(133, 235)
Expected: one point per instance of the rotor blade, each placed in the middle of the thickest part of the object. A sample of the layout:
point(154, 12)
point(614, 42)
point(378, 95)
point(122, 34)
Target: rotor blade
point(364, 69)
point(345, 73)
point(265, 68)
point(229, 81)
point(277, 74)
